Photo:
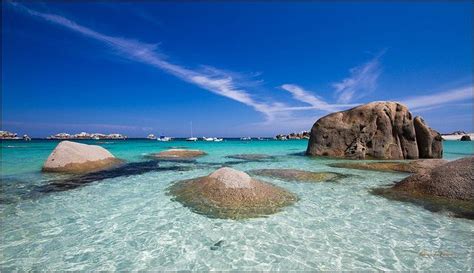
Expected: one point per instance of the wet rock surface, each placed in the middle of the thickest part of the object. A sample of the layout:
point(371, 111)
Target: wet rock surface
point(129, 169)
point(450, 186)
point(409, 166)
point(298, 175)
point(231, 194)
point(453, 207)
point(454, 180)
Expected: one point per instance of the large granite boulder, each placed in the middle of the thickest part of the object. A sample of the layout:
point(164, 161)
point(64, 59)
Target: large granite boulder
point(73, 157)
point(377, 130)
point(466, 138)
point(228, 193)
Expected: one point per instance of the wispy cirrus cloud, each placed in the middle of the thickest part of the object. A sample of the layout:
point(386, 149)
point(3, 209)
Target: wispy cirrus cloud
point(302, 95)
point(439, 99)
point(362, 81)
point(213, 80)
point(316, 102)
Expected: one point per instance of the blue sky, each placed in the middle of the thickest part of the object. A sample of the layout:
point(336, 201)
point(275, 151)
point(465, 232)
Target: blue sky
point(233, 69)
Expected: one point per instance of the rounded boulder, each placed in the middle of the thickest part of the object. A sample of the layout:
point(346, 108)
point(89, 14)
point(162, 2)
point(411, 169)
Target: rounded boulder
point(73, 157)
point(232, 194)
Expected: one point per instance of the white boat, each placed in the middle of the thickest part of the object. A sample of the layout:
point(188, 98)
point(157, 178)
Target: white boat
point(192, 138)
point(245, 138)
point(163, 138)
point(151, 136)
point(208, 138)
point(218, 139)
point(26, 138)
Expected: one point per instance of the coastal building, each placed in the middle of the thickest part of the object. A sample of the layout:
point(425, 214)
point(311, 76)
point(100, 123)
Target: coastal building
point(60, 136)
point(8, 135)
point(98, 136)
point(301, 135)
point(84, 135)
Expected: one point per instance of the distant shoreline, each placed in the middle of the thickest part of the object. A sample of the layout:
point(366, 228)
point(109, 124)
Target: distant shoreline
point(144, 138)
point(456, 136)
point(445, 137)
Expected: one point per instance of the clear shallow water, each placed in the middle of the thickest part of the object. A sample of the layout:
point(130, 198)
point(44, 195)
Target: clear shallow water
point(130, 223)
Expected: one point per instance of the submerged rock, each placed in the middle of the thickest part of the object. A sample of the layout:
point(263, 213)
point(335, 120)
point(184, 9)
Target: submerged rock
point(409, 166)
point(298, 175)
point(228, 193)
point(251, 157)
point(178, 154)
point(128, 169)
point(381, 130)
point(450, 186)
point(73, 157)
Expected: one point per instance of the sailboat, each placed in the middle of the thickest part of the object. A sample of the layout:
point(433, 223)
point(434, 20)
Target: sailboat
point(192, 138)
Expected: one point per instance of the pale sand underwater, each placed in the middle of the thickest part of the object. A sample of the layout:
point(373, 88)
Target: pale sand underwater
point(128, 221)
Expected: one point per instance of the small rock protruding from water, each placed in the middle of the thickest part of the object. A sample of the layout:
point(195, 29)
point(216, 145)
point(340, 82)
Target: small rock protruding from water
point(73, 157)
point(232, 194)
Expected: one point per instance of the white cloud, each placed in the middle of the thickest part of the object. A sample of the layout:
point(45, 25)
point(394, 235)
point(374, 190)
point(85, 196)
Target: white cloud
point(306, 97)
point(438, 99)
point(362, 79)
point(211, 79)
point(316, 102)
point(361, 82)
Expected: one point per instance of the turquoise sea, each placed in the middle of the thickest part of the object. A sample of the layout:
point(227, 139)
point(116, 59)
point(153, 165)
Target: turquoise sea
point(128, 222)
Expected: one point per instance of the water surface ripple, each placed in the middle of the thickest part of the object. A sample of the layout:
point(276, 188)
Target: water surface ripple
point(126, 221)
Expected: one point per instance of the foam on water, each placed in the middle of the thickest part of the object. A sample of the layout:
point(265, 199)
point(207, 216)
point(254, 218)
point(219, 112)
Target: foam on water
point(128, 222)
